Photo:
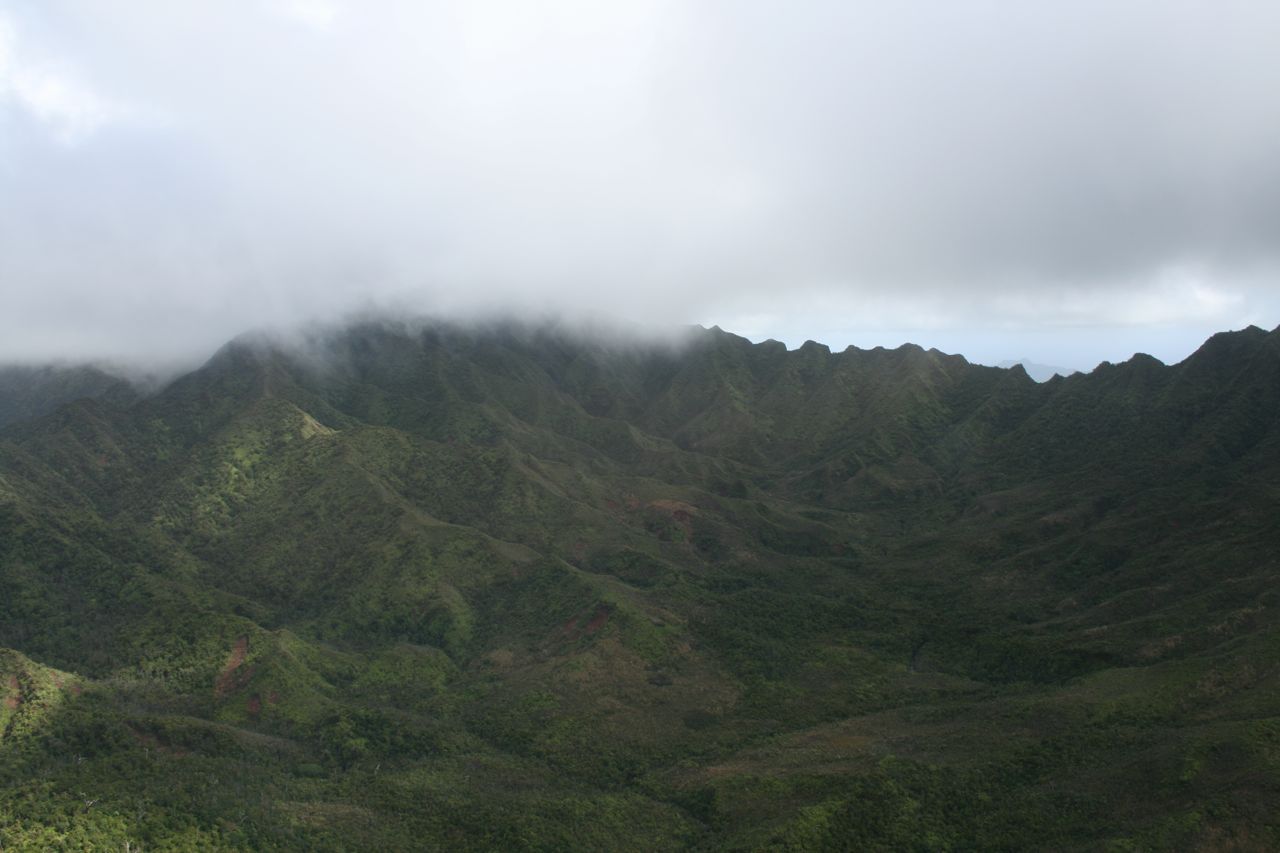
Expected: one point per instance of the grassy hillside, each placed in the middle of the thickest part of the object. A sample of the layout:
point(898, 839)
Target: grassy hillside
point(444, 588)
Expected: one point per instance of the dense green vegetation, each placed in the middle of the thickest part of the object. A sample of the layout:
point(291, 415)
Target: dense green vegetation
point(440, 588)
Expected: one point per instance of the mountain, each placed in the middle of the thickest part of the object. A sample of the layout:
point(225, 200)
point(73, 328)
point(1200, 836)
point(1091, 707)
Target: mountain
point(1039, 372)
point(27, 391)
point(429, 586)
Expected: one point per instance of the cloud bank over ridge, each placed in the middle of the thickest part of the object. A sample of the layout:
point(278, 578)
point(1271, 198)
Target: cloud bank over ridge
point(971, 176)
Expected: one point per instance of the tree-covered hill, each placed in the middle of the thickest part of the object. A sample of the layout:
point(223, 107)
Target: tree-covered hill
point(424, 586)
point(28, 391)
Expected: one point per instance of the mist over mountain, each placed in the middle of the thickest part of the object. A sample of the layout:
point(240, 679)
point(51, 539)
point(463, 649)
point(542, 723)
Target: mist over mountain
point(1038, 372)
point(488, 538)
point(28, 391)
point(872, 175)
point(427, 585)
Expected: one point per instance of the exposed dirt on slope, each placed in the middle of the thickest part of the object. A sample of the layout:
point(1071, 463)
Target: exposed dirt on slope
point(14, 699)
point(680, 513)
point(231, 678)
point(597, 621)
point(150, 741)
point(574, 627)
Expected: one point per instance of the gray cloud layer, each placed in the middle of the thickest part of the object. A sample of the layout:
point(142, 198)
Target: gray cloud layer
point(1064, 180)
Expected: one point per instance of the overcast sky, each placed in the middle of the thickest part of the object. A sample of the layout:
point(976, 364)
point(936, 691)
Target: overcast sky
point(1067, 181)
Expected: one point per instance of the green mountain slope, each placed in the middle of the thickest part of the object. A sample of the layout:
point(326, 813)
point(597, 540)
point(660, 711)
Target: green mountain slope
point(438, 587)
point(28, 391)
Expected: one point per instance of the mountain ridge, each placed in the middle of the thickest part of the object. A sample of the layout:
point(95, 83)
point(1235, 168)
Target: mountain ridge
point(727, 595)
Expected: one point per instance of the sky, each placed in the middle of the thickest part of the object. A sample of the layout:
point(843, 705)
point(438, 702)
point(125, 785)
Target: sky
point(1068, 181)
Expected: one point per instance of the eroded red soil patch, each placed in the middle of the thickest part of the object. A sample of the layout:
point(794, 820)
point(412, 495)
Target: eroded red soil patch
point(675, 507)
point(598, 620)
point(679, 512)
point(152, 742)
point(230, 678)
point(12, 701)
point(573, 629)
point(254, 705)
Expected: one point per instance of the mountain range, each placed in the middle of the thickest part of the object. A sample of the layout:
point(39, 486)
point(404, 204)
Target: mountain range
point(431, 586)
point(1038, 372)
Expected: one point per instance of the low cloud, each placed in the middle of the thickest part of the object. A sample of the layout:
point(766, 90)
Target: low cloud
point(965, 175)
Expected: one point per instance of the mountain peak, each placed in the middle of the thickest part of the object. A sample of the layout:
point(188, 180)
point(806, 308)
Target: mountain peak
point(1038, 372)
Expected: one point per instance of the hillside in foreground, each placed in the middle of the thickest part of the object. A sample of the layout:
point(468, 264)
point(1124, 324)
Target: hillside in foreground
point(445, 588)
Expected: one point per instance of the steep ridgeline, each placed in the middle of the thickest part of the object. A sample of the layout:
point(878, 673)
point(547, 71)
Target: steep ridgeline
point(444, 587)
point(28, 391)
